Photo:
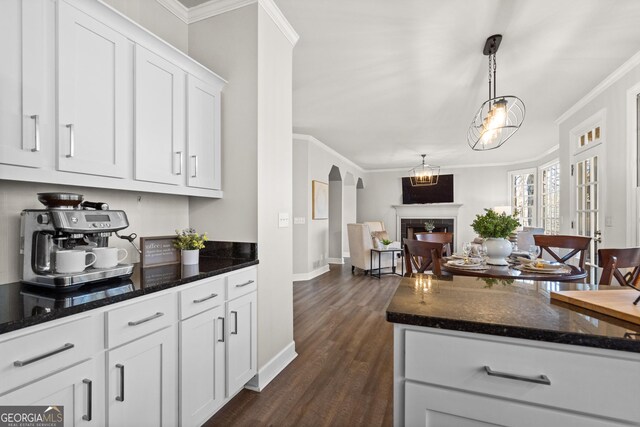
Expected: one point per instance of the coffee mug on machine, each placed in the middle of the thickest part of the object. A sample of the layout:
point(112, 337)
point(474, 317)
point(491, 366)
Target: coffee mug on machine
point(73, 261)
point(108, 257)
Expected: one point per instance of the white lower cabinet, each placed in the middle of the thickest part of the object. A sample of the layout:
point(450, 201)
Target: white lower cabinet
point(142, 385)
point(78, 389)
point(202, 366)
point(450, 378)
point(241, 342)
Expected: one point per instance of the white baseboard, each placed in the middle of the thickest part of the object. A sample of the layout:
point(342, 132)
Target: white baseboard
point(272, 368)
point(300, 277)
point(335, 260)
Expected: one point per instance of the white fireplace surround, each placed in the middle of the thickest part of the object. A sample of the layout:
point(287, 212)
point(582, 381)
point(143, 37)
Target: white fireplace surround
point(427, 211)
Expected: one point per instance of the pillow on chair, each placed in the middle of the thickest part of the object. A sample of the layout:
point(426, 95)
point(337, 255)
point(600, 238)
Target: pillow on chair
point(378, 236)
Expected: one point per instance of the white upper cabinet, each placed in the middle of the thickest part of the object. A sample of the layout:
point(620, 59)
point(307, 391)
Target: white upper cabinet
point(94, 101)
point(27, 114)
point(203, 134)
point(160, 104)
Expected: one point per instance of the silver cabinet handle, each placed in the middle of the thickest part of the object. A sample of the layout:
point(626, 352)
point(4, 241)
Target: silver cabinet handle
point(67, 346)
point(222, 335)
point(72, 141)
point(36, 121)
point(205, 298)
point(538, 379)
point(121, 397)
point(89, 384)
point(195, 167)
point(235, 323)
point(244, 284)
point(146, 319)
point(179, 170)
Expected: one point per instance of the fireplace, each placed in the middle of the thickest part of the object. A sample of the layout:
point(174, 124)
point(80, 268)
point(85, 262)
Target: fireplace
point(410, 226)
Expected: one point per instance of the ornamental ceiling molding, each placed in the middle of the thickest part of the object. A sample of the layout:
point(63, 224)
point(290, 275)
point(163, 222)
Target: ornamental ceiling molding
point(216, 7)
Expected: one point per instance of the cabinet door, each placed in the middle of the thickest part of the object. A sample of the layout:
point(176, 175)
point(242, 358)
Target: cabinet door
point(439, 407)
point(160, 104)
point(142, 382)
point(241, 342)
point(79, 389)
point(202, 379)
point(203, 134)
point(26, 48)
point(94, 99)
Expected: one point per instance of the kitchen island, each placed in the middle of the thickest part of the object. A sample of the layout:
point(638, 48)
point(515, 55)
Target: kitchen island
point(473, 351)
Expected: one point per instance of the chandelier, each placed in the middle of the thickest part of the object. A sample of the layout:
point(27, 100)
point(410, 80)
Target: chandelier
point(424, 174)
point(499, 117)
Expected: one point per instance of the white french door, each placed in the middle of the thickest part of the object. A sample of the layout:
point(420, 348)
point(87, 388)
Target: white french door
point(588, 175)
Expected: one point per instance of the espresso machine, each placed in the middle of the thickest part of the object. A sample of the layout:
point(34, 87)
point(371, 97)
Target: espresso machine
point(67, 223)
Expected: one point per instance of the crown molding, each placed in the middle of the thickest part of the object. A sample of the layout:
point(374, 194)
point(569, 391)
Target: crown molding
point(215, 7)
point(601, 87)
point(177, 8)
point(312, 140)
point(280, 20)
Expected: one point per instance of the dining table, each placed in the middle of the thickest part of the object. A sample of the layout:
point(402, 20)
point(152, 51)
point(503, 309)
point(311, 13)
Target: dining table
point(511, 271)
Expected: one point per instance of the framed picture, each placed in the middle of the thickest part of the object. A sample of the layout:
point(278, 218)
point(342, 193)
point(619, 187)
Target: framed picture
point(320, 200)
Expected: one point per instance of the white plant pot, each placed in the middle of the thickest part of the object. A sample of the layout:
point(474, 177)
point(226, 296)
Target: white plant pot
point(497, 251)
point(190, 257)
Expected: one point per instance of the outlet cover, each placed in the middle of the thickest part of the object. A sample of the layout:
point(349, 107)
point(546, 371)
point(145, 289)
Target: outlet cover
point(283, 220)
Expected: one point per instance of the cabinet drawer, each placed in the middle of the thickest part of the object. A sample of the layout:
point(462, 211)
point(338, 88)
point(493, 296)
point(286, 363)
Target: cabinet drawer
point(34, 355)
point(579, 382)
point(242, 283)
point(141, 318)
point(202, 297)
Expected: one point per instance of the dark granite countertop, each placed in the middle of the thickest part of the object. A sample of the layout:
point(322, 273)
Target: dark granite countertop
point(512, 308)
point(23, 305)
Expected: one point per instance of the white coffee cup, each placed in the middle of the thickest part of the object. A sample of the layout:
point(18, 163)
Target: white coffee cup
point(108, 257)
point(73, 261)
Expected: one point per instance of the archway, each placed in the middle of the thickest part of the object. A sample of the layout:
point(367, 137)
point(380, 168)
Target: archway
point(335, 216)
point(349, 206)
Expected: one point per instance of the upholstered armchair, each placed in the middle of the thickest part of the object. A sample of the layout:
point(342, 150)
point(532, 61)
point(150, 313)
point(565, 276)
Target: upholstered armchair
point(360, 245)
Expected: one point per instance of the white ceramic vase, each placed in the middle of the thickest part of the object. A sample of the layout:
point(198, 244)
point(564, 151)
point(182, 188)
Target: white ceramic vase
point(497, 251)
point(190, 256)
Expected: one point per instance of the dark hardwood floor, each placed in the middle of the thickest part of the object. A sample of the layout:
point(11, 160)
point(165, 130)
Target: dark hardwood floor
point(343, 375)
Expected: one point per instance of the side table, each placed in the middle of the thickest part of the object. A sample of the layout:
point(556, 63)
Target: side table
point(391, 251)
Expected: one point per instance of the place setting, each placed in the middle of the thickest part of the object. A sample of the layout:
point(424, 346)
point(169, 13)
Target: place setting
point(470, 259)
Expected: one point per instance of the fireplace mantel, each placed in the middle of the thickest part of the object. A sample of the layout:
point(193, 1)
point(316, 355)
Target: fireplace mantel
point(428, 210)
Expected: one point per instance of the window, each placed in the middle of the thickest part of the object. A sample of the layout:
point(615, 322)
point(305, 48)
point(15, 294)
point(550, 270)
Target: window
point(522, 185)
point(550, 197)
point(592, 135)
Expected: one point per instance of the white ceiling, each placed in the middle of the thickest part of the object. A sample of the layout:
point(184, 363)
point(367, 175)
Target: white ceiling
point(383, 81)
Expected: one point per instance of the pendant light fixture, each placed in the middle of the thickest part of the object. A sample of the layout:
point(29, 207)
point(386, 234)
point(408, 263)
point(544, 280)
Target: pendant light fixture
point(424, 174)
point(499, 117)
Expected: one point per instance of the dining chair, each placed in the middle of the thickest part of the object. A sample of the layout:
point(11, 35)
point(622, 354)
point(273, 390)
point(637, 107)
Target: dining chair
point(437, 237)
point(611, 260)
point(420, 256)
point(577, 244)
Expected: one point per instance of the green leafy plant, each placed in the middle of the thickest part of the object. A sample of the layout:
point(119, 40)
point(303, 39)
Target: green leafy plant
point(386, 242)
point(490, 281)
point(429, 225)
point(189, 239)
point(494, 225)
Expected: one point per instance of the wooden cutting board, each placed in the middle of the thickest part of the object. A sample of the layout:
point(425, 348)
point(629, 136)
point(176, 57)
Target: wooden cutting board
point(614, 303)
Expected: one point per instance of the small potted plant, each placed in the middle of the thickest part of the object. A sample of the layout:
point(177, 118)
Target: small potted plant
point(495, 228)
point(190, 242)
point(386, 243)
point(429, 226)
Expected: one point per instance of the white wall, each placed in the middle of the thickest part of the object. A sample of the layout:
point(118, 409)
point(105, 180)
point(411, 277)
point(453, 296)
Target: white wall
point(335, 220)
point(349, 209)
point(313, 162)
point(156, 18)
point(228, 44)
point(275, 115)
point(614, 202)
point(149, 214)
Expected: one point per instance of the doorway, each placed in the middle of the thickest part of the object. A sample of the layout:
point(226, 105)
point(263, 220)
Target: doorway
point(335, 216)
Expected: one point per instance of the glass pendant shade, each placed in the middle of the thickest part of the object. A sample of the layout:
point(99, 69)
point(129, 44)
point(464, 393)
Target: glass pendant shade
point(424, 174)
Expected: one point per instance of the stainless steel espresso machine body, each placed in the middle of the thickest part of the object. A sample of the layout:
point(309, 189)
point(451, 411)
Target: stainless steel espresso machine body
point(43, 232)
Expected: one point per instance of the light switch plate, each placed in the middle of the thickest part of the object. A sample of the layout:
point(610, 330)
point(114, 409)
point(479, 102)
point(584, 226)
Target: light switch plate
point(283, 220)
point(298, 220)
point(608, 221)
